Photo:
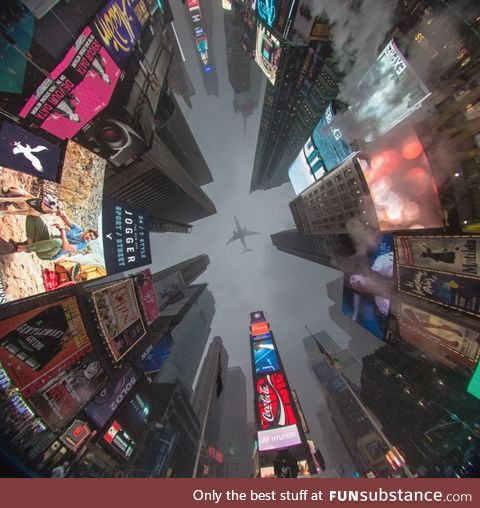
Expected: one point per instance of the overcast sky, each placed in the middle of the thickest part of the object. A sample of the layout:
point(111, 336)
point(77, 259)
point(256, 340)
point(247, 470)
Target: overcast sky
point(291, 291)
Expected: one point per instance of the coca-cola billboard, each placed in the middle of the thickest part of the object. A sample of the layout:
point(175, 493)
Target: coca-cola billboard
point(274, 402)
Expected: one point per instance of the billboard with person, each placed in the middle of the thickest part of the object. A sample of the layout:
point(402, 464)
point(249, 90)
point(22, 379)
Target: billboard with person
point(50, 232)
point(76, 90)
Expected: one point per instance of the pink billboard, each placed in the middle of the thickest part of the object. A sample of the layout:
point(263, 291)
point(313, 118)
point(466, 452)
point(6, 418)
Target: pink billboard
point(273, 439)
point(77, 90)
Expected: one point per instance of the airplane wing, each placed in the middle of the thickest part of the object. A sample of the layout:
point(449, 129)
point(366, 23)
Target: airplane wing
point(248, 233)
point(232, 239)
point(243, 242)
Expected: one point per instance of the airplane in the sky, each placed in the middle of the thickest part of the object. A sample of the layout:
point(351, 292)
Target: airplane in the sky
point(240, 234)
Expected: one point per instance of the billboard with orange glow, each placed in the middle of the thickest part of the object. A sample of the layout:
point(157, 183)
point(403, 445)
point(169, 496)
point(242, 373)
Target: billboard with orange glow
point(401, 184)
point(259, 328)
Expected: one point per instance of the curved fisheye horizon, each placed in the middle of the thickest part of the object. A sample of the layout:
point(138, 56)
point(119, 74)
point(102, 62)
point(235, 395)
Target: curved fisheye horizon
point(240, 239)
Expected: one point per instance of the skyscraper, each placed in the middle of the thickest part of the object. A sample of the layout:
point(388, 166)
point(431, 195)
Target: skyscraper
point(235, 440)
point(208, 401)
point(190, 269)
point(190, 336)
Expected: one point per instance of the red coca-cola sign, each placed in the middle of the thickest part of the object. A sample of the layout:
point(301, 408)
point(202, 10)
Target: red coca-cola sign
point(274, 402)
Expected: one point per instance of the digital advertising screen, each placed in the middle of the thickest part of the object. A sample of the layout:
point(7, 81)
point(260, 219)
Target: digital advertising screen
point(120, 440)
point(275, 13)
point(227, 5)
point(267, 53)
point(135, 412)
point(126, 240)
point(101, 408)
point(453, 254)
point(283, 437)
point(78, 88)
point(473, 387)
point(75, 435)
point(41, 344)
point(30, 154)
point(158, 355)
point(169, 290)
point(458, 292)
point(262, 336)
point(62, 396)
point(265, 356)
point(390, 90)
point(119, 318)
point(450, 340)
point(367, 290)
point(148, 298)
point(257, 316)
point(55, 227)
point(401, 183)
point(274, 403)
point(259, 328)
point(119, 25)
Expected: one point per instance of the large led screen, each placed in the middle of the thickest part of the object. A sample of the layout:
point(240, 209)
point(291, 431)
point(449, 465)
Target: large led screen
point(55, 228)
point(267, 53)
point(324, 150)
point(454, 342)
point(126, 241)
point(257, 316)
point(48, 357)
point(267, 11)
point(119, 25)
point(108, 400)
point(119, 439)
point(259, 328)
point(367, 291)
point(274, 402)
point(453, 254)
point(158, 355)
point(265, 357)
point(401, 184)
point(25, 152)
point(78, 88)
point(390, 92)
point(119, 317)
point(283, 437)
point(458, 292)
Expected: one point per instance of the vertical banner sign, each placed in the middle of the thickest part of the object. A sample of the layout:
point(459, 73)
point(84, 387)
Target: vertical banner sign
point(125, 236)
point(119, 25)
point(78, 89)
point(25, 152)
point(454, 291)
point(453, 254)
point(148, 298)
point(119, 317)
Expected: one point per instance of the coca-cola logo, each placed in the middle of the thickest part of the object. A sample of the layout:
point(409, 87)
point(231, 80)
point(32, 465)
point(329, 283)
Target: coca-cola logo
point(274, 402)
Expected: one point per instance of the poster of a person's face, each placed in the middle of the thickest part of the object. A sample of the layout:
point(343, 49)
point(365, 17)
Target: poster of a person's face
point(50, 233)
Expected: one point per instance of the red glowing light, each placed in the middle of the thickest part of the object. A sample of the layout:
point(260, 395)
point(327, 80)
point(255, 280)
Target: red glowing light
point(418, 181)
point(411, 149)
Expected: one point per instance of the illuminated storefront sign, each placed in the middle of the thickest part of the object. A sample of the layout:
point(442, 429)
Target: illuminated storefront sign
point(25, 152)
point(267, 53)
point(401, 184)
point(273, 402)
point(283, 437)
point(126, 240)
point(453, 254)
point(265, 357)
point(119, 25)
point(119, 317)
point(78, 88)
point(50, 265)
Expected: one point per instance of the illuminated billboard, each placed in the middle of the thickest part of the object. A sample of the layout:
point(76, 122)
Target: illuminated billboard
point(158, 355)
point(119, 25)
point(390, 91)
point(126, 241)
point(367, 291)
point(262, 336)
point(148, 298)
point(259, 328)
point(274, 403)
point(108, 400)
point(275, 14)
point(54, 227)
point(77, 89)
point(257, 316)
point(119, 318)
point(473, 387)
point(265, 357)
point(25, 152)
point(49, 358)
point(267, 53)
point(401, 184)
point(227, 5)
point(452, 341)
point(457, 292)
point(324, 150)
point(453, 254)
point(120, 440)
point(283, 437)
